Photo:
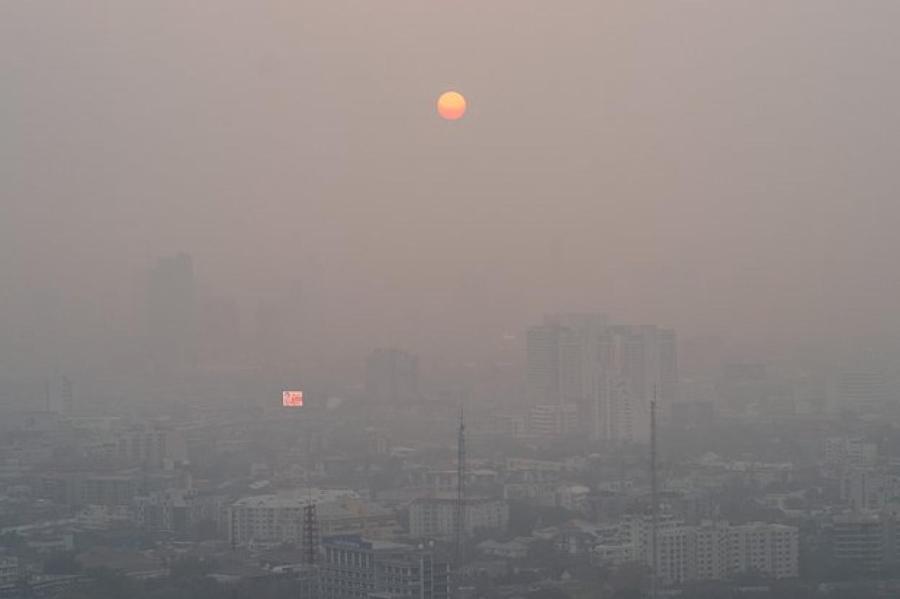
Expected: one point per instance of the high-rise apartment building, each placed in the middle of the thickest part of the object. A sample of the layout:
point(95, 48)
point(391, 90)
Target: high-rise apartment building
point(392, 376)
point(552, 420)
point(863, 390)
point(638, 363)
point(561, 357)
point(610, 372)
point(171, 314)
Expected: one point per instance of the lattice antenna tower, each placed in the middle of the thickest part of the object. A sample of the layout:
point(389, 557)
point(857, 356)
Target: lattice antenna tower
point(460, 489)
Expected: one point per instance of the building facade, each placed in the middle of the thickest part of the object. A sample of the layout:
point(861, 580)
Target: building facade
point(356, 568)
point(864, 541)
point(274, 519)
point(609, 372)
point(392, 376)
point(435, 517)
point(708, 552)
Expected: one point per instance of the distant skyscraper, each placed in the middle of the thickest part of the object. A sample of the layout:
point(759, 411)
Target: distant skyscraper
point(610, 372)
point(219, 335)
point(67, 396)
point(283, 344)
point(560, 354)
point(636, 363)
point(543, 363)
point(742, 385)
point(863, 390)
point(392, 376)
point(171, 318)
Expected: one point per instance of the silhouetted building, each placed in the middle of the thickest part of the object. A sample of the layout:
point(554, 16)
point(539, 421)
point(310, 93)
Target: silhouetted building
point(638, 363)
point(863, 542)
point(552, 420)
point(863, 391)
point(610, 372)
point(392, 376)
point(743, 386)
point(561, 357)
point(171, 314)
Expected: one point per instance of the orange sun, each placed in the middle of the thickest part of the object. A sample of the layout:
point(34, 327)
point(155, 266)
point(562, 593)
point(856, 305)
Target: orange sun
point(451, 105)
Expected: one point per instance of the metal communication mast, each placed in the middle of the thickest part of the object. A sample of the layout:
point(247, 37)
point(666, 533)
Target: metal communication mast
point(654, 498)
point(460, 490)
point(310, 533)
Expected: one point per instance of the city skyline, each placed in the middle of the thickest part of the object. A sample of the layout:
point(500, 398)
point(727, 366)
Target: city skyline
point(665, 165)
point(421, 299)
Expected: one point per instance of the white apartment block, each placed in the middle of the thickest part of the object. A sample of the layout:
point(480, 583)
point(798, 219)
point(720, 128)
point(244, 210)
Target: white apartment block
point(273, 519)
point(9, 570)
point(549, 420)
point(772, 549)
point(435, 517)
point(711, 551)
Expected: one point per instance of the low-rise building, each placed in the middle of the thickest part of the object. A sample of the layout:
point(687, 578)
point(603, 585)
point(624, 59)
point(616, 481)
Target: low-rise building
point(845, 452)
point(357, 568)
point(175, 511)
point(273, 519)
point(863, 541)
point(512, 550)
point(435, 517)
point(9, 570)
point(708, 552)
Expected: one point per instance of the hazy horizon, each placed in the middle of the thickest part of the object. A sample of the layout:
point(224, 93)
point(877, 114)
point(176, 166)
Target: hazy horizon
point(725, 169)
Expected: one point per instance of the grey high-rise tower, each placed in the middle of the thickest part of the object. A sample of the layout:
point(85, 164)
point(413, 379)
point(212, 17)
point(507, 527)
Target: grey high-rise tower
point(560, 356)
point(561, 367)
point(636, 363)
point(609, 371)
point(171, 314)
point(392, 376)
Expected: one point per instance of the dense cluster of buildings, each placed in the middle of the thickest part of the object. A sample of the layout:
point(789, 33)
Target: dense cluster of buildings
point(359, 497)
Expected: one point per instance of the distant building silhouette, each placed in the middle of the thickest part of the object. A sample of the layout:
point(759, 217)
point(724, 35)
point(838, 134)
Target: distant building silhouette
point(743, 386)
point(609, 372)
point(638, 363)
point(559, 356)
point(171, 314)
point(392, 376)
point(864, 391)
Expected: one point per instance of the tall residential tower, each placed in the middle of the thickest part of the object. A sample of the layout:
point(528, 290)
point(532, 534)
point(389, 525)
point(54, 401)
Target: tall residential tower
point(607, 372)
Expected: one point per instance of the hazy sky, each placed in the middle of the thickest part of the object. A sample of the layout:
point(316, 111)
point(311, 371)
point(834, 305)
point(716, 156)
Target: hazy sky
point(725, 167)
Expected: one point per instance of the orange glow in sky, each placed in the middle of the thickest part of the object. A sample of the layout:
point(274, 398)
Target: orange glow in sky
point(451, 105)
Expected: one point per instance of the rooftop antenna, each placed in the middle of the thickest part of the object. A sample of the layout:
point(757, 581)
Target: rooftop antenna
point(310, 533)
point(310, 526)
point(234, 528)
point(654, 498)
point(460, 489)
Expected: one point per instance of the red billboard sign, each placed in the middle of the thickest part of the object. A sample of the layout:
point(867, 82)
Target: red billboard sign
point(292, 399)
